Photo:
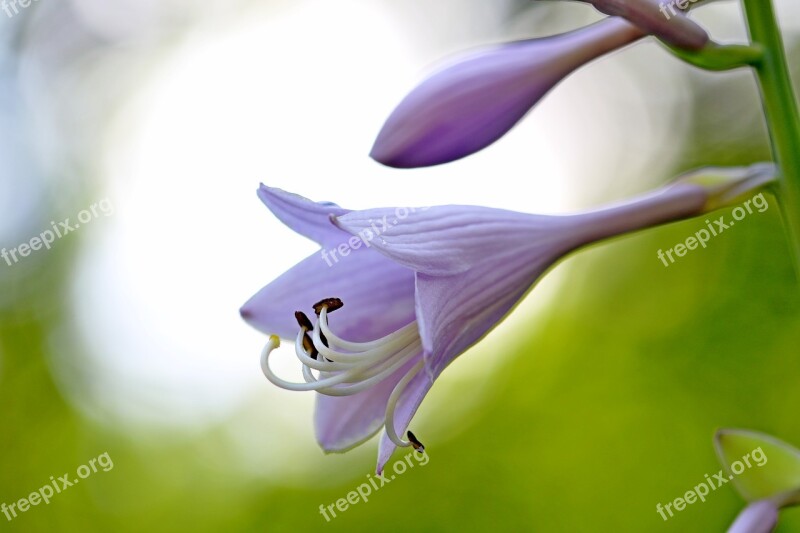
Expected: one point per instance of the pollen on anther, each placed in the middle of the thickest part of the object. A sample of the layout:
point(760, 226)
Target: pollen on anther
point(331, 303)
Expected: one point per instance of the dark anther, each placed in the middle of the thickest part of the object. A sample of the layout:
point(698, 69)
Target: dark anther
point(303, 320)
point(309, 347)
point(308, 344)
point(331, 303)
point(415, 443)
point(323, 339)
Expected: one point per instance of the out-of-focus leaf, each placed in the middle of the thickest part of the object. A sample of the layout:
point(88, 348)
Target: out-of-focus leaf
point(774, 471)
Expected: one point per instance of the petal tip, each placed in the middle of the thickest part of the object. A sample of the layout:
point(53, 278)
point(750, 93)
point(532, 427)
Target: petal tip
point(248, 312)
point(392, 160)
point(381, 466)
point(266, 189)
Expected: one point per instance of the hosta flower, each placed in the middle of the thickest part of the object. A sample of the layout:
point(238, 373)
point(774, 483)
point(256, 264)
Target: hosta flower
point(397, 294)
point(657, 17)
point(474, 101)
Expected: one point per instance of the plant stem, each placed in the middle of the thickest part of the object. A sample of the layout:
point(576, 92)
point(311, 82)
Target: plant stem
point(783, 120)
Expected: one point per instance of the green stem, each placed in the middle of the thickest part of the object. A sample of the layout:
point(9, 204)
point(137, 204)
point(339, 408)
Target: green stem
point(780, 106)
point(721, 57)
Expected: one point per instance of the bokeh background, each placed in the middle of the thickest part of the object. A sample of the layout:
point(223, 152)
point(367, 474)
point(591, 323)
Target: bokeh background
point(596, 400)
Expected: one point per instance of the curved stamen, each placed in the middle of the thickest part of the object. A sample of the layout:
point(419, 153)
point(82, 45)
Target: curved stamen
point(359, 346)
point(366, 375)
point(343, 373)
point(392, 342)
point(311, 362)
point(392, 404)
point(336, 379)
point(346, 368)
point(384, 372)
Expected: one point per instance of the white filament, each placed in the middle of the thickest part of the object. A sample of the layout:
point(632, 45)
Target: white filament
point(345, 368)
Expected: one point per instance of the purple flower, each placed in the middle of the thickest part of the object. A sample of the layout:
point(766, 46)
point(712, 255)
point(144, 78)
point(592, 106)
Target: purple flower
point(478, 98)
point(657, 17)
point(412, 289)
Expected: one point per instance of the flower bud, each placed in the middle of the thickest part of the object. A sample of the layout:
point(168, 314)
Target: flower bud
point(660, 18)
point(478, 98)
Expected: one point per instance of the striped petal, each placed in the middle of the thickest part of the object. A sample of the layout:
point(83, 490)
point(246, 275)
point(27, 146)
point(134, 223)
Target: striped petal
point(311, 219)
point(343, 422)
point(479, 97)
point(378, 295)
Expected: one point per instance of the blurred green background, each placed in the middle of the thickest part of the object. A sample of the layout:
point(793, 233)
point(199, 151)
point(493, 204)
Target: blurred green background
point(595, 401)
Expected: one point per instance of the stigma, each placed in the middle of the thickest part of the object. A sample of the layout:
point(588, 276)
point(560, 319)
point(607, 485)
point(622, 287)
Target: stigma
point(336, 367)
